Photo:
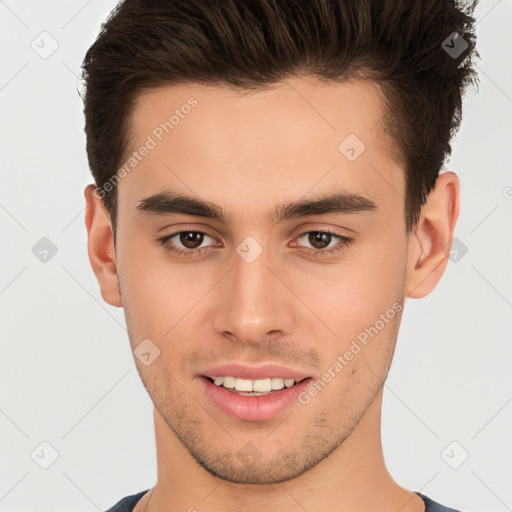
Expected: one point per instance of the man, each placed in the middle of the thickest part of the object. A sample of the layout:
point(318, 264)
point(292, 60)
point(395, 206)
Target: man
point(267, 194)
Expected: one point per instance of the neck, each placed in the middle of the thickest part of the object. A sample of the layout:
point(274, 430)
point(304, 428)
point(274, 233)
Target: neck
point(353, 477)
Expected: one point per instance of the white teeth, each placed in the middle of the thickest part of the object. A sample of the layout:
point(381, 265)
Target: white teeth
point(227, 382)
point(277, 383)
point(243, 385)
point(258, 385)
point(262, 385)
point(218, 381)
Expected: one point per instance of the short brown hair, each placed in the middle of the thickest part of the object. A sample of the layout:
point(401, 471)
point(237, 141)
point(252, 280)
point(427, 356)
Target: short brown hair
point(250, 44)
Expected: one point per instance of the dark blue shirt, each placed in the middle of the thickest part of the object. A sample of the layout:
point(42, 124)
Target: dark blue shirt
point(127, 504)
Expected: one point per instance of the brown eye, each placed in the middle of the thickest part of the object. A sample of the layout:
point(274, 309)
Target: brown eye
point(185, 243)
point(319, 239)
point(320, 242)
point(191, 239)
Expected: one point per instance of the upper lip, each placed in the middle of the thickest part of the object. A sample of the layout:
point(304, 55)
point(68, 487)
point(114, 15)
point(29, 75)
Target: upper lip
point(266, 371)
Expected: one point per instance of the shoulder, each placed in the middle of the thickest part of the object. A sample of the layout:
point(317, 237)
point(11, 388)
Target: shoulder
point(433, 506)
point(128, 503)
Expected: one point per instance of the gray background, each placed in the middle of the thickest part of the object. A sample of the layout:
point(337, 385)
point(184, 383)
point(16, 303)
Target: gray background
point(68, 377)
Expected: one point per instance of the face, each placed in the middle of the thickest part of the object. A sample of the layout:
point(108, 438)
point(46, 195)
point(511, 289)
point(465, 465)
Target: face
point(319, 292)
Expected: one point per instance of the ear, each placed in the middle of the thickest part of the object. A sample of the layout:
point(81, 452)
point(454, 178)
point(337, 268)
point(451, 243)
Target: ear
point(100, 246)
point(430, 242)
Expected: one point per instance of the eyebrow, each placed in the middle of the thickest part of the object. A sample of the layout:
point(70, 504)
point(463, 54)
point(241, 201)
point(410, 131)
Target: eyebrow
point(166, 203)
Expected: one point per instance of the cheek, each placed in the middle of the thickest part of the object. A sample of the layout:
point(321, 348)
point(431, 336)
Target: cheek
point(349, 296)
point(361, 302)
point(158, 292)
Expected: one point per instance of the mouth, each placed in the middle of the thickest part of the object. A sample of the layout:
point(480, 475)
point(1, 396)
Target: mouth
point(253, 400)
point(257, 387)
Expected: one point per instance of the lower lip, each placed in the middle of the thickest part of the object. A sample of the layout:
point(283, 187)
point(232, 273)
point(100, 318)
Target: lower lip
point(254, 408)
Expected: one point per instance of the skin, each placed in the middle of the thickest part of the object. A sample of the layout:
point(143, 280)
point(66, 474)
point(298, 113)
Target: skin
point(249, 153)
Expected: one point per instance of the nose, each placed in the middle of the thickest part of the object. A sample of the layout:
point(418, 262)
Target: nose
point(254, 303)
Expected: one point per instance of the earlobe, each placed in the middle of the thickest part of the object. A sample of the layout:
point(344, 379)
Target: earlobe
point(100, 246)
point(430, 242)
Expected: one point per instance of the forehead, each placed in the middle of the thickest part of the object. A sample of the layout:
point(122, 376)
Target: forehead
point(297, 107)
point(249, 145)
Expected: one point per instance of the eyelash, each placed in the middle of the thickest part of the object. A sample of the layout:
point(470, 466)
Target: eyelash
point(344, 240)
